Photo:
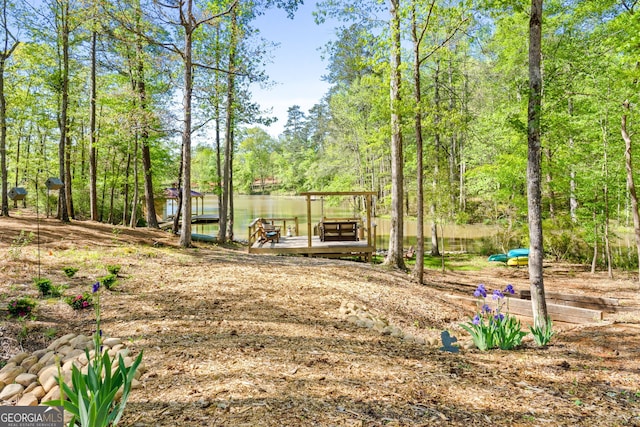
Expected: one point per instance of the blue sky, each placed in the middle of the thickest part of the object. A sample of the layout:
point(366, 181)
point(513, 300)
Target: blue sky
point(296, 68)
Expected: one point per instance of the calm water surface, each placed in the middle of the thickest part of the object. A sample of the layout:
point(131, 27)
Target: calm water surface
point(247, 208)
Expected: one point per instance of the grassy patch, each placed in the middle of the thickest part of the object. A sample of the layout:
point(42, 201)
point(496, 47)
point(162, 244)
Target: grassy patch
point(452, 262)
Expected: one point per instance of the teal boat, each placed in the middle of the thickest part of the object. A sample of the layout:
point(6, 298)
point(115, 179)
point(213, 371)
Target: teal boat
point(499, 257)
point(515, 253)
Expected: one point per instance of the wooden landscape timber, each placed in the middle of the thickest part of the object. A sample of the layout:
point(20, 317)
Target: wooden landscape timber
point(558, 313)
point(611, 305)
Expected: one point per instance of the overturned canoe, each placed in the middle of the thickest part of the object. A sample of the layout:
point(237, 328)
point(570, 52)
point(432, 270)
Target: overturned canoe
point(499, 257)
point(518, 261)
point(520, 252)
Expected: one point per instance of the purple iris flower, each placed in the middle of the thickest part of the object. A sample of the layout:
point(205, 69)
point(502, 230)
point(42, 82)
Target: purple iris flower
point(509, 290)
point(95, 287)
point(476, 319)
point(499, 316)
point(486, 308)
point(480, 291)
point(497, 294)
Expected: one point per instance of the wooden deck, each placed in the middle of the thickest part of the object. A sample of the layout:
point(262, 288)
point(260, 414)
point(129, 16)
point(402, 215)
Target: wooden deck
point(298, 245)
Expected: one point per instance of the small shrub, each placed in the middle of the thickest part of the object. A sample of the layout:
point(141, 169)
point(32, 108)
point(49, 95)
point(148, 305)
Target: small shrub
point(109, 281)
point(43, 285)
point(70, 271)
point(47, 289)
point(113, 269)
point(15, 251)
point(21, 307)
point(80, 302)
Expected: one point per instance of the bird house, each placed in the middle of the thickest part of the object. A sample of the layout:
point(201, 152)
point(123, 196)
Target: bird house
point(54, 183)
point(17, 193)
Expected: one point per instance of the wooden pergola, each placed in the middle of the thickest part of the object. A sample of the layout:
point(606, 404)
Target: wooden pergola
point(368, 195)
point(337, 242)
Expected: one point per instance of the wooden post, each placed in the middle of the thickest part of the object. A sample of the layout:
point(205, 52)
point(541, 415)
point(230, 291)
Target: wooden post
point(308, 220)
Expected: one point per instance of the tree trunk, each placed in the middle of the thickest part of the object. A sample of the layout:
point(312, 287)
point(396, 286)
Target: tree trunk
point(4, 55)
point(185, 231)
point(594, 260)
point(605, 191)
point(573, 201)
point(152, 217)
point(418, 271)
point(226, 173)
point(63, 122)
point(231, 208)
point(630, 181)
point(68, 178)
point(435, 243)
point(395, 255)
point(126, 190)
point(136, 191)
point(93, 171)
point(536, 249)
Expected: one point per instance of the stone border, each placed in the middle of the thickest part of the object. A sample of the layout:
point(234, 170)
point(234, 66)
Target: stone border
point(364, 318)
point(29, 379)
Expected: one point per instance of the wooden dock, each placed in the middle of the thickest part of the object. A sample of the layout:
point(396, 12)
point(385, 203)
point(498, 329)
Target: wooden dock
point(195, 219)
point(298, 245)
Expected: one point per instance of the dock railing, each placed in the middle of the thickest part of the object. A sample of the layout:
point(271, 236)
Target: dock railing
point(286, 225)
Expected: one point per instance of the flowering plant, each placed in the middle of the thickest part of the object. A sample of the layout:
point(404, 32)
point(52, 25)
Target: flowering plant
point(493, 326)
point(80, 301)
point(21, 307)
point(92, 396)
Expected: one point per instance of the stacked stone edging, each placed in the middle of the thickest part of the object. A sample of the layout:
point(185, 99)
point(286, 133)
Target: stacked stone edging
point(29, 379)
point(364, 318)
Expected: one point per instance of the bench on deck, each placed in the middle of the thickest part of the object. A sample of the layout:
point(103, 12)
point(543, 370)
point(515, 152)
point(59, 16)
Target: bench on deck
point(266, 232)
point(337, 231)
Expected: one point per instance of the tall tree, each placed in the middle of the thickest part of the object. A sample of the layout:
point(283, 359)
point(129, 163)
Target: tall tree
point(395, 254)
point(9, 44)
point(225, 208)
point(63, 16)
point(536, 250)
point(93, 162)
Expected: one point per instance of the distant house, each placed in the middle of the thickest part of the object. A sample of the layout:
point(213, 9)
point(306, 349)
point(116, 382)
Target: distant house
point(261, 185)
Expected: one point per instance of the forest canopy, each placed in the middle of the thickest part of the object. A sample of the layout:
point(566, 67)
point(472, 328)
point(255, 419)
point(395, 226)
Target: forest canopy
point(123, 99)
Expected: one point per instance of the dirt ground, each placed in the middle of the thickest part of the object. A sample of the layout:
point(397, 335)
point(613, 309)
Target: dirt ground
point(232, 339)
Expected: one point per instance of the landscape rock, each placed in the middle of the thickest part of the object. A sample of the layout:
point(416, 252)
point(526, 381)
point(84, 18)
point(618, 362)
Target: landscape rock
point(110, 342)
point(18, 358)
point(28, 362)
point(10, 375)
point(28, 399)
point(53, 394)
point(10, 391)
point(26, 379)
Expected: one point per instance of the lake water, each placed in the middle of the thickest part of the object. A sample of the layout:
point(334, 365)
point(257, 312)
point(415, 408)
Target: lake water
point(247, 208)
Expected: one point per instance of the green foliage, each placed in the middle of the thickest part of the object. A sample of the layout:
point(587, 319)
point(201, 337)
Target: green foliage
point(113, 269)
point(47, 289)
point(91, 398)
point(563, 240)
point(21, 307)
point(492, 327)
point(70, 271)
point(79, 302)
point(23, 239)
point(542, 336)
point(109, 281)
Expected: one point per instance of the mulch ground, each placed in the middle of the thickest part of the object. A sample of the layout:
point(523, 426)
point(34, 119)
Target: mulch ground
point(240, 340)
